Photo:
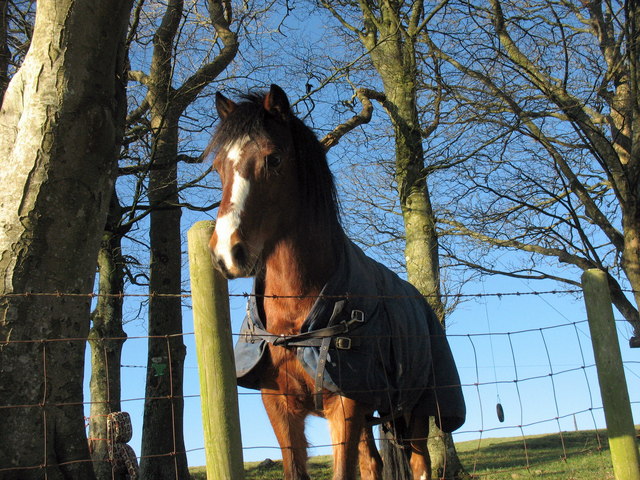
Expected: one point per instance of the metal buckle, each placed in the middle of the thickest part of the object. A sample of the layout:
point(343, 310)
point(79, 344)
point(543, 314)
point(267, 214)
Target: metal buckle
point(343, 343)
point(357, 316)
point(249, 334)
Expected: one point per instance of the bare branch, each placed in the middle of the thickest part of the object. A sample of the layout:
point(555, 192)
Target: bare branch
point(365, 96)
point(138, 76)
point(220, 15)
point(563, 256)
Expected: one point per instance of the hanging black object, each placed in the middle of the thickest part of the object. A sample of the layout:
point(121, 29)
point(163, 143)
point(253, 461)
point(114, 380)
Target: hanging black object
point(500, 412)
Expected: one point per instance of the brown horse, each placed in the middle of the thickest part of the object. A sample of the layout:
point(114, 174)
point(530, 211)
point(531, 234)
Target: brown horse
point(278, 221)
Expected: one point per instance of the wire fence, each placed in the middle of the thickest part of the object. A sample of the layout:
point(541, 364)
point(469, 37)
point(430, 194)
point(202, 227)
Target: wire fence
point(518, 383)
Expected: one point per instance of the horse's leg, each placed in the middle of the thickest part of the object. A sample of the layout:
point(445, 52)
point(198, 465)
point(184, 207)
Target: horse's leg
point(420, 461)
point(346, 421)
point(288, 425)
point(370, 461)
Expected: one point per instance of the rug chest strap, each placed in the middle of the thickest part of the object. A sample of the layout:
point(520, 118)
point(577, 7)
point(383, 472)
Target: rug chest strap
point(323, 338)
point(322, 362)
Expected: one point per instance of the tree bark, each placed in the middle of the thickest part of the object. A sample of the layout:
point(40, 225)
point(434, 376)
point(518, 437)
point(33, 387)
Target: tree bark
point(59, 139)
point(106, 338)
point(163, 450)
point(389, 36)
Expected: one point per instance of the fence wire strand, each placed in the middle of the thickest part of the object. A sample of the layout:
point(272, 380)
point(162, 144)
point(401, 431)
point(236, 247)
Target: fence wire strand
point(474, 386)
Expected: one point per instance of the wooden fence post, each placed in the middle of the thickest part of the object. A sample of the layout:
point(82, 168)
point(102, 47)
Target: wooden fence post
point(613, 385)
point(218, 387)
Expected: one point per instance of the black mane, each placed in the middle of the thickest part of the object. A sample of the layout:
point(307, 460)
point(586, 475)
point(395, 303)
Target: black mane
point(249, 118)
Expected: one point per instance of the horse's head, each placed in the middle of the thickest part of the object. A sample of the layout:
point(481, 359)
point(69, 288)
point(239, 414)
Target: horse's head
point(255, 160)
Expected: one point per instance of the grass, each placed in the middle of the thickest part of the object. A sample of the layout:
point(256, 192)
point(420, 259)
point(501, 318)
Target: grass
point(495, 459)
point(543, 457)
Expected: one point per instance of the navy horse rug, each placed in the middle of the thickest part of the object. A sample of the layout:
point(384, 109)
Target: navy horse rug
point(370, 336)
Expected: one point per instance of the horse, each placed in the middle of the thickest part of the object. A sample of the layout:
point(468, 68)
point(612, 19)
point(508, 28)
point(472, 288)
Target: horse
point(304, 335)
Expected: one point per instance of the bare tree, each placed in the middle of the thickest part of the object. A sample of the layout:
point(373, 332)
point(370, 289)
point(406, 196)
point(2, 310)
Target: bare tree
point(162, 119)
point(163, 452)
point(107, 336)
point(17, 18)
point(555, 86)
point(5, 54)
point(61, 124)
point(390, 32)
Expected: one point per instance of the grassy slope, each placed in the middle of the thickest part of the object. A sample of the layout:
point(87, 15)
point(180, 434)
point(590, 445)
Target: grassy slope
point(498, 459)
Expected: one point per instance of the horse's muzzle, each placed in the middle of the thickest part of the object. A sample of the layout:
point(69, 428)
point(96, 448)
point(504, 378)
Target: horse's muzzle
point(234, 265)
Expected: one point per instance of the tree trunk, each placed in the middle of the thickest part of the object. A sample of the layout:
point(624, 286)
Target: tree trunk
point(395, 62)
point(631, 260)
point(106, 338)
point(421, 254)
point(59, 139)
point(163, 450)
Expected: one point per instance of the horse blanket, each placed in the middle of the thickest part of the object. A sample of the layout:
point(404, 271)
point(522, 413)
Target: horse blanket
point(386, 348)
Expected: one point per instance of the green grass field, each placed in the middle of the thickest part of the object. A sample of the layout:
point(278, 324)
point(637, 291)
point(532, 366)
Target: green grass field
point(497, 459)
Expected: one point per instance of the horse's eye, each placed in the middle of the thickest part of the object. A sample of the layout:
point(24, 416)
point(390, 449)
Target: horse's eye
point(273, 160)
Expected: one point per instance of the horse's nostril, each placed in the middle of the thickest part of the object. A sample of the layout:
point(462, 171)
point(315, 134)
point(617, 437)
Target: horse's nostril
point(218, 263)
point(239, 254)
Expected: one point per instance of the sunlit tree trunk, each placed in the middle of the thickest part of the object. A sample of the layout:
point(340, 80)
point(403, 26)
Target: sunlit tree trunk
point(163, 450)
point(396, 65)
point(106, 338)
point(59, 138)
point(388, 31)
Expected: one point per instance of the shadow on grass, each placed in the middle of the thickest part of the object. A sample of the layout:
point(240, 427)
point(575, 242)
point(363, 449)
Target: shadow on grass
point(318, 467)
point(585, 456)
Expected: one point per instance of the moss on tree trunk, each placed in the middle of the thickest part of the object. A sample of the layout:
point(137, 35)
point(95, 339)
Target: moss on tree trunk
point(106, 338)
point(394, 59)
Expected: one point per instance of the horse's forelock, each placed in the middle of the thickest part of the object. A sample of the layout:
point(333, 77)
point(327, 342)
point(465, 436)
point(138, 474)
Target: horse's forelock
point(249, 119)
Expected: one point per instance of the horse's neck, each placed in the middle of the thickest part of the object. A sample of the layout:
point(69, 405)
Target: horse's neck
point(293, 278)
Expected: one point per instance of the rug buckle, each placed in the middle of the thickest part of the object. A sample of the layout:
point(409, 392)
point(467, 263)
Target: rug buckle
point(343, 343)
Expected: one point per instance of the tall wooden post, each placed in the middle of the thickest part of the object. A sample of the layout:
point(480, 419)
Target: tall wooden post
point(218, 387)
point(613, 385)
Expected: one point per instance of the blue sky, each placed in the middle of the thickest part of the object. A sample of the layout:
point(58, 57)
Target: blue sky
point(543, 339)
point(554, 345)
point(537, 331)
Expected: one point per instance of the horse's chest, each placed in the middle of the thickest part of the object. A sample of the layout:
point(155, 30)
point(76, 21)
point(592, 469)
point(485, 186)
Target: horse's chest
point(287, 375)
point(285, 316)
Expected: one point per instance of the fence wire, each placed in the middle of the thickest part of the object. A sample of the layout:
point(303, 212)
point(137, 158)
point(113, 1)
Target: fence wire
point(515, 386)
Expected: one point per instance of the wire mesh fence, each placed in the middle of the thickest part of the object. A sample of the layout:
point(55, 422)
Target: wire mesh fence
point(518, 383)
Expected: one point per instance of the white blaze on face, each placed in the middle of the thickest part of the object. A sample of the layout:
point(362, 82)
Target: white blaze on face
point(229, 223)
point(234, 151)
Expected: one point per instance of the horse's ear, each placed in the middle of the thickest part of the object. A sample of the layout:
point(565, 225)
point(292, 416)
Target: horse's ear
point(277, 103)
point(224, 105)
